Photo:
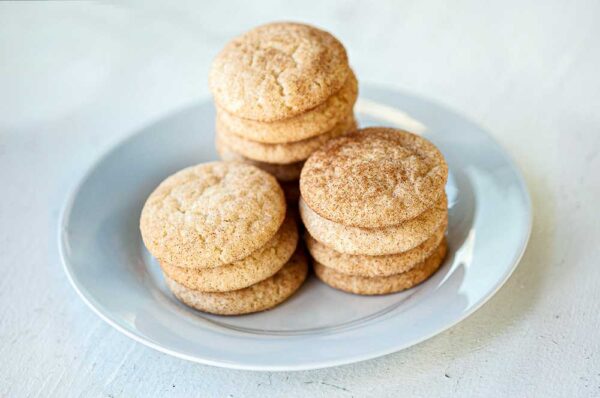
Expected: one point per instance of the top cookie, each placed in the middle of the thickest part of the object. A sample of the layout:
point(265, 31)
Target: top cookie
point(278, 70)
point(375, 177)
point(212, 214)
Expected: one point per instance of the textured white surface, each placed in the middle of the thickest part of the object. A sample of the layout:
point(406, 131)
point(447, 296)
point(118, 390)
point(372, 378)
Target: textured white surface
point(77, 77)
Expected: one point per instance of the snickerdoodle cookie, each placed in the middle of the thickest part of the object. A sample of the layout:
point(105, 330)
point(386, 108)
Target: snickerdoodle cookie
point(375, 241)
point(373, 266)
point(281, 153)
point(383, 284)
point(258, 266)
point(283, 172)
point(305, 125)
point(375, 177)
point(212, 214)
point(277, 71)
point(258, 297)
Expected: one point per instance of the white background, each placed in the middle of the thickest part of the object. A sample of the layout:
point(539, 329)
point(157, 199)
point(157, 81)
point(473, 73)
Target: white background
point(77, 77)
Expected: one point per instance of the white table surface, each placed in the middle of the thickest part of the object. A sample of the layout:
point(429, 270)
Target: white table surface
point(77, 77)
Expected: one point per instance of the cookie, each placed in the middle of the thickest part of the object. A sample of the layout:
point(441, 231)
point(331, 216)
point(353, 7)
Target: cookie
point(277, 71)
point(373, 178)
point(281, 153)
point(258, 266)
point(373, 266)
point(258, 297)
point(283, 172)
point(375, 241)
point(305, 125)
point(212, 214)
point(382, 284)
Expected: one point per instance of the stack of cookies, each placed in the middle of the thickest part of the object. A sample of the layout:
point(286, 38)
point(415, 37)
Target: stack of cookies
point(375, 210)
point(221, 235)
point(281, 91)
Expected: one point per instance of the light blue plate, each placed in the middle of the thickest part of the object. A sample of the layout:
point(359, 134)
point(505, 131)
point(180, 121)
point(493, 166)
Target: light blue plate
point(105, 260)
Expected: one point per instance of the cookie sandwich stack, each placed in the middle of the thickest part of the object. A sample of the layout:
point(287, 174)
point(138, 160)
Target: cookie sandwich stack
point(281, 91)
point(221, 236)
point(375, 210)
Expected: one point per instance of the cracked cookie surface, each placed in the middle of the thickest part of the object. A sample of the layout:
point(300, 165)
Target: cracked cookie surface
point(212, 214)
point(303, 126)
point(259, 265)
point(277, 71)
point(374, 177)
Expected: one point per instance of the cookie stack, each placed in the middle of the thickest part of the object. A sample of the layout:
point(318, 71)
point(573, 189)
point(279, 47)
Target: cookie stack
point(375, 210)
point(221, 236)
point(281, 91)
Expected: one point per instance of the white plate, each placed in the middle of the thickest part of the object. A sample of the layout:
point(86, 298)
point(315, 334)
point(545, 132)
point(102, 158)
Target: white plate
point(104, 258)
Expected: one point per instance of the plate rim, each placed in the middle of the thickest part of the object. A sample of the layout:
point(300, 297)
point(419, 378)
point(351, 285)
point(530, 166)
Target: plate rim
point(71, 196)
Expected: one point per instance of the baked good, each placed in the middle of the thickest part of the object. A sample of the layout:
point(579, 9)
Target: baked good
point(375, 241)
point(281, 153)
point(373, 266)
point(313, 122)
point(375, 177)
point(277, 71)
point(383, 284)
point(259, 265)
point(258, 297)
point(282, 172)
point(212, 214)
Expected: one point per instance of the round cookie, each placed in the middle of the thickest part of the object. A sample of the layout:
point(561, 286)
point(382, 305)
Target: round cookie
point(375, 241)
point(281, 153)
point(305, 125)
point(375, 177)
point(258, 297)
point(212, 214)
point(384, 284)
point(283, 172)
point(373, 266)
point(258, 266)
point(277, 71)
